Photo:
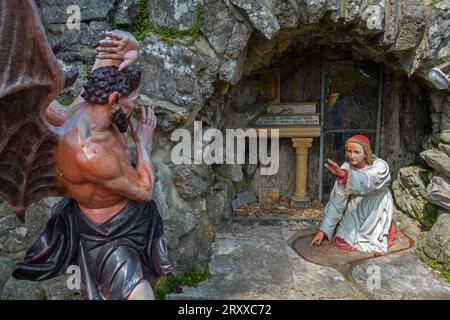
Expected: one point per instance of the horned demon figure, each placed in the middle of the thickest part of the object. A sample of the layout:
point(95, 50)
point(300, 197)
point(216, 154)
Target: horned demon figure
point(106, 223)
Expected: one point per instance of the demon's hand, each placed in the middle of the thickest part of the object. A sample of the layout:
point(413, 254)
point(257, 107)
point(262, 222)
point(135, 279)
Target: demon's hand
point(144, 130)
point(118, 46)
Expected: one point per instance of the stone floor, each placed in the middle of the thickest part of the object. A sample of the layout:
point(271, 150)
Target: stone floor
point(254, 259)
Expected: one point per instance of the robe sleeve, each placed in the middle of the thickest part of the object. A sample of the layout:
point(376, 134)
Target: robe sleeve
point(335, 207)
point(376, 177)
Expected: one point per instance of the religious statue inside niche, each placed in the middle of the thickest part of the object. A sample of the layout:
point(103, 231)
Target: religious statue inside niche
point(107, 222)
point(358, 216)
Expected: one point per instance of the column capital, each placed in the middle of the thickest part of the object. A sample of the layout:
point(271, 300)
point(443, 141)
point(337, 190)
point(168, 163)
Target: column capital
point(302, 143)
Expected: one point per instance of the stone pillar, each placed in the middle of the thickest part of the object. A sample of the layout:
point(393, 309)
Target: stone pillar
point(300, 199)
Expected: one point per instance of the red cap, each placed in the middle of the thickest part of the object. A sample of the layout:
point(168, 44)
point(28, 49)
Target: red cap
point(361, 138)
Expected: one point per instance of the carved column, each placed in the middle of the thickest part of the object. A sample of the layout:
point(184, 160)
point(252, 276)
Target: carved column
point(300, 198)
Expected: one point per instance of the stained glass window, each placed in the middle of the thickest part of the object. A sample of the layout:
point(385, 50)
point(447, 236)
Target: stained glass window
point(351, 106)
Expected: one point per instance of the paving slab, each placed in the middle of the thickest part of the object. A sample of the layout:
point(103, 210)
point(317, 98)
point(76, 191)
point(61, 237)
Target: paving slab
point(256, 259)
point(255, 262)
point(401, 276)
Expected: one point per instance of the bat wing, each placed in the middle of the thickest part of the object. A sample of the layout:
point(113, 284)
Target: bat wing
point(30, 79)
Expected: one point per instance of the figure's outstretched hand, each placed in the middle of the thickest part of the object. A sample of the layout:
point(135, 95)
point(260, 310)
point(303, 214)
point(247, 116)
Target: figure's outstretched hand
point(318, 238)
point(118, 47)
point(334, 168)
point(144, 130)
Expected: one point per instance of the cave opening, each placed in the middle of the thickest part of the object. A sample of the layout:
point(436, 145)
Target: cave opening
point(353, 91)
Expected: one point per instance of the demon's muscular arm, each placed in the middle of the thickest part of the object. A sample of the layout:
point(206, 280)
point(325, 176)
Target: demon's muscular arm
point(141, 135)
point(119, 48)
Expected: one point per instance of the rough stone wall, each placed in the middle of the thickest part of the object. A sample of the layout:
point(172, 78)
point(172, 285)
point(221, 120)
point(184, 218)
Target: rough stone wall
point(188, 81)
point(405, 121)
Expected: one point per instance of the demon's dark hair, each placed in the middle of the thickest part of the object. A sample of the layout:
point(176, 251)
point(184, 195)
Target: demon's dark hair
point(106, 80)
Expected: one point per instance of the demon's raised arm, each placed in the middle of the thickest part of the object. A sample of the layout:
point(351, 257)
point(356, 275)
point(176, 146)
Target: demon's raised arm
point(30, 81)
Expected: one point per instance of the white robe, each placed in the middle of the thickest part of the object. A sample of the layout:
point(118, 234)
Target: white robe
point(363, 208)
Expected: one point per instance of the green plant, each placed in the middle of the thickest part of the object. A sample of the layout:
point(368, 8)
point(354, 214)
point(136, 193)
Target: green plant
point(42, 294)
point(170, 283)
point(7, 296)
point(166, 286)
point(212, 238)
point(426, 213)
point(433, 265)
point(446, 271)
point(65, 99)
point(429, 217)
point(112, 22)
point(443, 270)
point(143, 26)
point(193, 279)
point(87, 71)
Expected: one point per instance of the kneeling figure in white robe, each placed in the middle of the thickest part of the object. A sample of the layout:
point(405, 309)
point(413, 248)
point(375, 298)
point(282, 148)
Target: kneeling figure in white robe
point(359, 212)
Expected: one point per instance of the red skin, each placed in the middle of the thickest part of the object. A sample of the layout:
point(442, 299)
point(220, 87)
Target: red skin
point(93, 161)
point(92, 158)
